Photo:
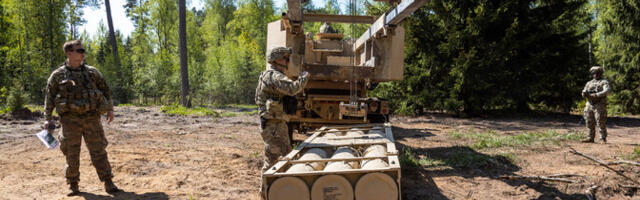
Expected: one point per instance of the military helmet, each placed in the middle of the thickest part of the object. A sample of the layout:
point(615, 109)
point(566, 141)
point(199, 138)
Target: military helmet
point(277, 53)
point(327, 28)
point(596, 69)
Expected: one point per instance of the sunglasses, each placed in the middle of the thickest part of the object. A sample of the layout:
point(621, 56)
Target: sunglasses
point(81, 50)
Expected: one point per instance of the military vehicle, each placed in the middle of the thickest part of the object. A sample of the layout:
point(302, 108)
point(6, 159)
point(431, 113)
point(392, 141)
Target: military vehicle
point(342, 69)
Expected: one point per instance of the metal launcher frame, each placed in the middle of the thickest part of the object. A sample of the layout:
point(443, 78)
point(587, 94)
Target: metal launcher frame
point(342, 68)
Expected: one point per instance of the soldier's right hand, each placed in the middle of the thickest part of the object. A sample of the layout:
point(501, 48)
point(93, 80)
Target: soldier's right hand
point(50, 125)
point(305, 74)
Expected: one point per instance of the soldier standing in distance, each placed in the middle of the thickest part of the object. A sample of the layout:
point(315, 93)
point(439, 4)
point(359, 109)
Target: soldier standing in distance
point(273, 85)
point(595, 111)
point(80, 95)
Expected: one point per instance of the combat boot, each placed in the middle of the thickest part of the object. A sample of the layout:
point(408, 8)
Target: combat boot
point(74, 189)
point(109, 187)
point(603, 140)
point(590, 140)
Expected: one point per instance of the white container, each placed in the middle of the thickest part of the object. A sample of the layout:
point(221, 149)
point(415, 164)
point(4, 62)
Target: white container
point(354, 132)
point(311, 154)
point(376, 186)
point(342, 152)
point(332, 187)
point(374, 151)
point(289, 188)
point(332, 133)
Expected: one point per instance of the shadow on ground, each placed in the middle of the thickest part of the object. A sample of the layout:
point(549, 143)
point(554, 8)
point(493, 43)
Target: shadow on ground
point(126, 196)
point(461, 161)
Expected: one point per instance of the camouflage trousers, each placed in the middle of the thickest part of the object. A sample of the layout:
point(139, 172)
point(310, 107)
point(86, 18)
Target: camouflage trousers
point(275, 135)
point(74, 128)
point(595, 115)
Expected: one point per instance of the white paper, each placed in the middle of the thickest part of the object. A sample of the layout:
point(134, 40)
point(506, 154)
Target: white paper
point(47, 139)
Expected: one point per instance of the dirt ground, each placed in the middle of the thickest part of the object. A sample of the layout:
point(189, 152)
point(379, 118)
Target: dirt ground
point(160, 156)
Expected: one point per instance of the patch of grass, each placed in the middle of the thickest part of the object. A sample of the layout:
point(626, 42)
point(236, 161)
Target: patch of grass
point(484, 140)
point(408, 158)
point(126, 105)
point(247, 106)
point(636, 153)
point(180, 110)
point(228, 114)
point(457, 157)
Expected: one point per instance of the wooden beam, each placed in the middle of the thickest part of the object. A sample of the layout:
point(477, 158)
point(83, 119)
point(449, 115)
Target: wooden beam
point(403, 10)
point(391, 18)
point(295, 10)
point(353, 19)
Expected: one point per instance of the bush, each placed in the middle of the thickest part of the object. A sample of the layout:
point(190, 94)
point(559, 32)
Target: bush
point(17, 98)
point(180, 110)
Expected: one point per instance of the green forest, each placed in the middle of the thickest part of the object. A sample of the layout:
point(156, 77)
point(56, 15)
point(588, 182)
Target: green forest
point(460, 56)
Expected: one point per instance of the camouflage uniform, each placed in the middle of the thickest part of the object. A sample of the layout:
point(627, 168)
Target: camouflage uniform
point(595, 111)
point(273, 85)
point(79, 96)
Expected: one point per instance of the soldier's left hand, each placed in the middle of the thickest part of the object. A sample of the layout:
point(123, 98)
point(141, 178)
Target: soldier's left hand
point(592, 95)
point(110, 117)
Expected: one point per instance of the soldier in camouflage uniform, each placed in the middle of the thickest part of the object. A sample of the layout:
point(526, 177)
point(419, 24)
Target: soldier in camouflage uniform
point(595, 111)
point(273, 85)
point(80, 95)
point(327, 28)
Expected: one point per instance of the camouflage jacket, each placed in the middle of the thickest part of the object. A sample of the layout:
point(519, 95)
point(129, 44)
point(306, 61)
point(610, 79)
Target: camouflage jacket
point(272, 86)
point(598, 87)
point(77, 91)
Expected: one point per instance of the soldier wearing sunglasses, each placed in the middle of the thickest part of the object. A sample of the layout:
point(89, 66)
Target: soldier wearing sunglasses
point(80, 96)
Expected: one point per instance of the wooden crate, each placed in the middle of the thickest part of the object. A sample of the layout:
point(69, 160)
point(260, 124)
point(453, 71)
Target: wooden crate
point(316, 140)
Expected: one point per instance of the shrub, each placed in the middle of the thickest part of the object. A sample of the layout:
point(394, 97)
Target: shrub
point(17, 98)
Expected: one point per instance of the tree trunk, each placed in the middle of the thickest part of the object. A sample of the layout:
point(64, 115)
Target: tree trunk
point(51, 64)
point(184, 68)
point(114, 48)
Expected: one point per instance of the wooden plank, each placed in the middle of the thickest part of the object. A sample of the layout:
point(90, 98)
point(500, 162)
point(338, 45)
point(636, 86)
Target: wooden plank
point(391, 146)
point(338, 159)
point(352, 19)
point(348, 171)
point(348, 143)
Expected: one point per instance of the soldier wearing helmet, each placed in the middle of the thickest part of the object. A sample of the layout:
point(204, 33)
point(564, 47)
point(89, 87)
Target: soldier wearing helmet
point(327, 28)
point(595, 111)
point(273, 85)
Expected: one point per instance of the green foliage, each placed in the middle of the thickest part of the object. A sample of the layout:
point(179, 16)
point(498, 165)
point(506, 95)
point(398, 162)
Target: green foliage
point(180, 110)
point(636, 153)
point(485, 140)
point(407, 158)
point(474, 56)
point(17, 98)
point(4, 92)
point(618, 50)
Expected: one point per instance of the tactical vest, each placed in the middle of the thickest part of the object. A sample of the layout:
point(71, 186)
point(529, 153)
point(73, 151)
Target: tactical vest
point(269, 99)
point(78, 92)
point(596, 86)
